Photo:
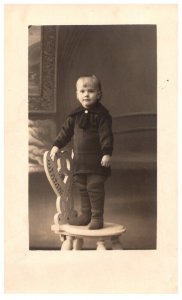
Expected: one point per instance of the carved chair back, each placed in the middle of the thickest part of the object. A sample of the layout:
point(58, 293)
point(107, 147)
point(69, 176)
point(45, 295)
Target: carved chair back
point(60, 177)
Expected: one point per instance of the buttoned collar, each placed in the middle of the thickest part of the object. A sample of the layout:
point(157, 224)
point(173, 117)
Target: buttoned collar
point(96, 108)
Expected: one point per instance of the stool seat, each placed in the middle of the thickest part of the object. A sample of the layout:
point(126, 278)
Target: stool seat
point(109, 229)
point(75, 234)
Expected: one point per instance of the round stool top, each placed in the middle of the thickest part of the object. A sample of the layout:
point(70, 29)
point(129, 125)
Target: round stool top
point(109, 229)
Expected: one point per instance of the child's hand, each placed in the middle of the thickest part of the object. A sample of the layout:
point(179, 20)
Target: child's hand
point(106, 160)
point(53, 152)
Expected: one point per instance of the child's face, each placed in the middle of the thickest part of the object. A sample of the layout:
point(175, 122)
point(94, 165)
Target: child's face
point(87, 92)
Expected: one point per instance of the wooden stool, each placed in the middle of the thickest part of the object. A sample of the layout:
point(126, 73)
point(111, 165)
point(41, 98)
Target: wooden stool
point(59, 174)
point(73, 236)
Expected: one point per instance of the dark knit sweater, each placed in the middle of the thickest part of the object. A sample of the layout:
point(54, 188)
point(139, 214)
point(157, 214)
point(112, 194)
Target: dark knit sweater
point(91, 130)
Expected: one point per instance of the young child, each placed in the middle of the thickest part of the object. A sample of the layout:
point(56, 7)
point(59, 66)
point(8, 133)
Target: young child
point(90, 125)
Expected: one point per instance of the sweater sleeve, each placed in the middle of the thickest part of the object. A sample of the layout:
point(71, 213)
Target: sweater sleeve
point(65, 133)
point(106, 135)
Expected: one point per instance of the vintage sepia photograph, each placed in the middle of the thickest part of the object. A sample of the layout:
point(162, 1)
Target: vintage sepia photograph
point(108, 138)
point(91, 195)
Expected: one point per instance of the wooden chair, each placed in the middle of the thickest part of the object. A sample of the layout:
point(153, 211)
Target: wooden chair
point(59, 174)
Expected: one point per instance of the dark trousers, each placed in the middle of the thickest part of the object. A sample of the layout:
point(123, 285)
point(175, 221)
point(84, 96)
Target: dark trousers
point(92, 193)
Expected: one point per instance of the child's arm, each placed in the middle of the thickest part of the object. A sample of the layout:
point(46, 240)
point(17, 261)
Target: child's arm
point(106, 139)
point(63, 137)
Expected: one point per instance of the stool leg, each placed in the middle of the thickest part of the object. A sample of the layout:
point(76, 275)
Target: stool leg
point(68, 243)
point(77, 244)
point(116, 245)
point(101, 245)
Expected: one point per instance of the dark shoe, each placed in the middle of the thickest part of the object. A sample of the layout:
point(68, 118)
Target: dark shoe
point(82, 220)
point(96, 224)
